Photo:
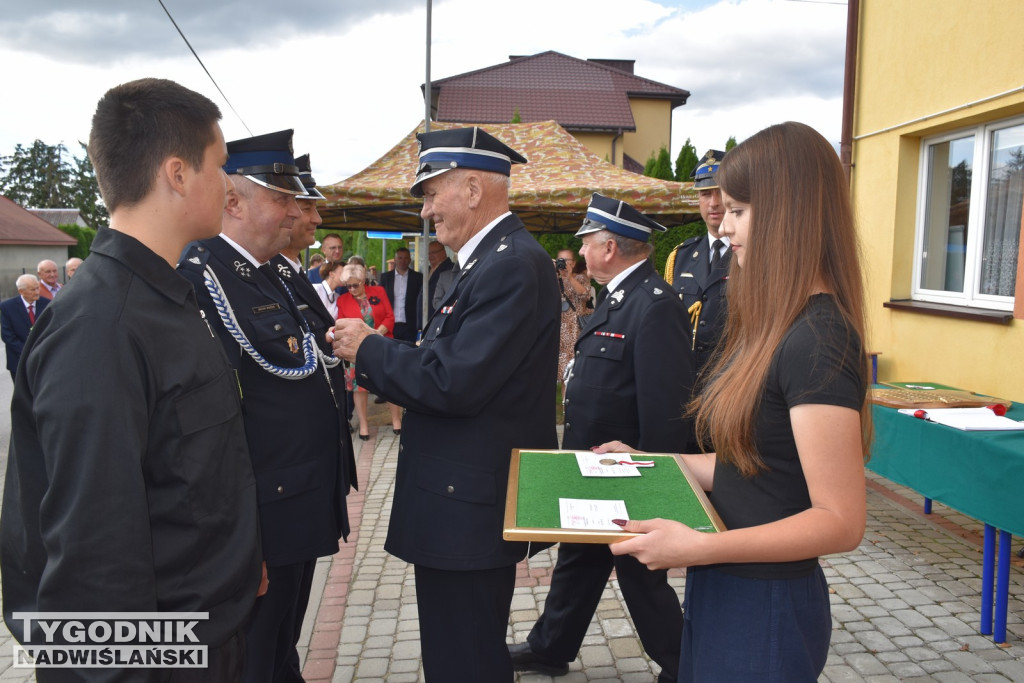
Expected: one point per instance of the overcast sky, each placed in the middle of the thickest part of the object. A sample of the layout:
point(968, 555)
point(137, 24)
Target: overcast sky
point(346, 74)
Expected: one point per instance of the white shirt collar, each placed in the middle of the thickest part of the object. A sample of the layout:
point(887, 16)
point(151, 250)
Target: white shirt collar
point(711, 241)
point(475, 240)
point(617, 280)
point(296, 266)
point(28, 303)
point(241, 250)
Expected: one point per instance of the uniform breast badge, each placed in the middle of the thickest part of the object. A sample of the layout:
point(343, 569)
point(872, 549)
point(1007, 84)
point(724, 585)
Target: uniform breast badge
point(293, 344)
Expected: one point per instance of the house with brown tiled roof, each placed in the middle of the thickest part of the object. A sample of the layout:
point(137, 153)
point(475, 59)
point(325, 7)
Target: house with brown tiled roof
point(25, 240)
point(618, 115)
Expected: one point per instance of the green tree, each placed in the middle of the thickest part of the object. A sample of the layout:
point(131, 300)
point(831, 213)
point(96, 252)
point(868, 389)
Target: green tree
point(686, 161)
point(660, 166)
point(84, 236)
point(41, 177)
point(665, 242)
point(730, 143)
point(516, 118)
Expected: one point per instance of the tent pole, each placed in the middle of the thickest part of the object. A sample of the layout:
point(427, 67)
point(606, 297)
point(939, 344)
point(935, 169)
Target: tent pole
point(425, 242)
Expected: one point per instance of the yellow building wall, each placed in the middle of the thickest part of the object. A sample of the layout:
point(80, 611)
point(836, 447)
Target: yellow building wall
point(653, 119)
point(601, 145)
point(918, 63)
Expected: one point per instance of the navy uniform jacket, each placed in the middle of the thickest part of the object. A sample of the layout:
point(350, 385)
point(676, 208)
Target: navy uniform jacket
point(293, 426)
point(693, 279)
point(413, 293)
point(15, 326)
point(129, 486)
point(631, 373)
point(319, 321)
point(478, 386)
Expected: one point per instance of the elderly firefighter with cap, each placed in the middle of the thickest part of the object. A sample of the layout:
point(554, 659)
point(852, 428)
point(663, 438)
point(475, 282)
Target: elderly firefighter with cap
point(629, 376)
point(477, 386)
point(301, 455)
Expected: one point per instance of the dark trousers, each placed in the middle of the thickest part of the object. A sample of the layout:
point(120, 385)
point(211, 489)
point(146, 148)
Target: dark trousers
point(224, 664)
point(405, 331)
point(273, 629)
point(463, 619)
point(579, 578)
point(740, 629)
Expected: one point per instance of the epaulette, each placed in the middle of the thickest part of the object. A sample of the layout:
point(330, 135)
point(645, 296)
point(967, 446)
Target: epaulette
point(670, 262)
point(655, 287)
point(194, 258)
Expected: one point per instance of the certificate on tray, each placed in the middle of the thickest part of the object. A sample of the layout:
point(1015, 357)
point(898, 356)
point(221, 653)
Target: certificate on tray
point(571, 496)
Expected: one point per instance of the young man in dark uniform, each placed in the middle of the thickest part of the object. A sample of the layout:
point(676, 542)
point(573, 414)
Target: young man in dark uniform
point(629, 375)
point(129, 487)
point(477, 386)
point(301, 455)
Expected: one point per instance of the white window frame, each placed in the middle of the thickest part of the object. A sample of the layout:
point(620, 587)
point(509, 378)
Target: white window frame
point(971, 296)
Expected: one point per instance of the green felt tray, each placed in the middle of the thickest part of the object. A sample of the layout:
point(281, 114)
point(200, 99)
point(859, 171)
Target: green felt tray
point(537, 479)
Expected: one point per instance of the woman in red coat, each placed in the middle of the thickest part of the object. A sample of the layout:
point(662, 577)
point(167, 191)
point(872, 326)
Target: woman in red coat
point(370, 304)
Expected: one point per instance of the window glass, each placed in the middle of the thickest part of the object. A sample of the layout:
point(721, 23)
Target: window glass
point(947, 208)
point(1003, 202)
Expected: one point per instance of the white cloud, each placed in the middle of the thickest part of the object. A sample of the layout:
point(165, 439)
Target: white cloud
point(351, 86)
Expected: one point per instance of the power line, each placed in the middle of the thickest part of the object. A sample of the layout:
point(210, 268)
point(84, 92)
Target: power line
point(168, 13)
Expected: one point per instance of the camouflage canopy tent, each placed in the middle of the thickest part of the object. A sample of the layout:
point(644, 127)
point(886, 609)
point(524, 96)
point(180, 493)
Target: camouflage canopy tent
point(550, 193)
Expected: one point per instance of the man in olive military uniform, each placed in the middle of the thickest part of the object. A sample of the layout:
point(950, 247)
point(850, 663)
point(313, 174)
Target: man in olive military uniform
point(699, 271)
point(300, 452)
point(629, 381)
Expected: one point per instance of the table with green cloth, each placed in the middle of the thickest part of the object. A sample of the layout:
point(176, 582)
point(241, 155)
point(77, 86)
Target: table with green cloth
point(978, 473)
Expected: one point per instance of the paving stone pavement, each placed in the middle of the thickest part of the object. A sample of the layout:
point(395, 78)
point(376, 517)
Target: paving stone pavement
point(905, 604)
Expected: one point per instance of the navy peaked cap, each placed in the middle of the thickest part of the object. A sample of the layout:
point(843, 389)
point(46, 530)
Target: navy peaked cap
point(704, 175)
point(306, 176)
point(267, 160)
point(444, 150)
point(615, 215)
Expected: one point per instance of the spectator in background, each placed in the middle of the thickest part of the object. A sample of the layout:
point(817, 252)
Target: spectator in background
point(71, 266)
point(332, 247)
point(575, 290)
point(17, 316)
point(403, 286)
point(330, 282)
point(370, 304)
point(315, 261)
point(440, 275)
point(48, 285)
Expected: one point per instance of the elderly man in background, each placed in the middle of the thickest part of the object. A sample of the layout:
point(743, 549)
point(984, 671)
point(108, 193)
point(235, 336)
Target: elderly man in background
point(71, 266)
point(17, 316)
point(48, 284)
point(478, 386)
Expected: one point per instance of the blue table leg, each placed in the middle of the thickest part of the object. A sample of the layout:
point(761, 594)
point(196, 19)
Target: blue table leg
point(927, 506)
point(1002, 587)
point(987, 562)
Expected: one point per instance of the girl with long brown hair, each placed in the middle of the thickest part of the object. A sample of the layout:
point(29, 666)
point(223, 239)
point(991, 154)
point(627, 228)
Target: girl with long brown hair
point(785, 411)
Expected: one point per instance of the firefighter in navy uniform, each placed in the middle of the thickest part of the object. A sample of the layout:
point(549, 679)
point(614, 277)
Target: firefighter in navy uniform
point(699, 271)
point(300, 453)
point(629, 381)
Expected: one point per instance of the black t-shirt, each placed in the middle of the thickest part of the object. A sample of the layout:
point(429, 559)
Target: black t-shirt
point(819, 361)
